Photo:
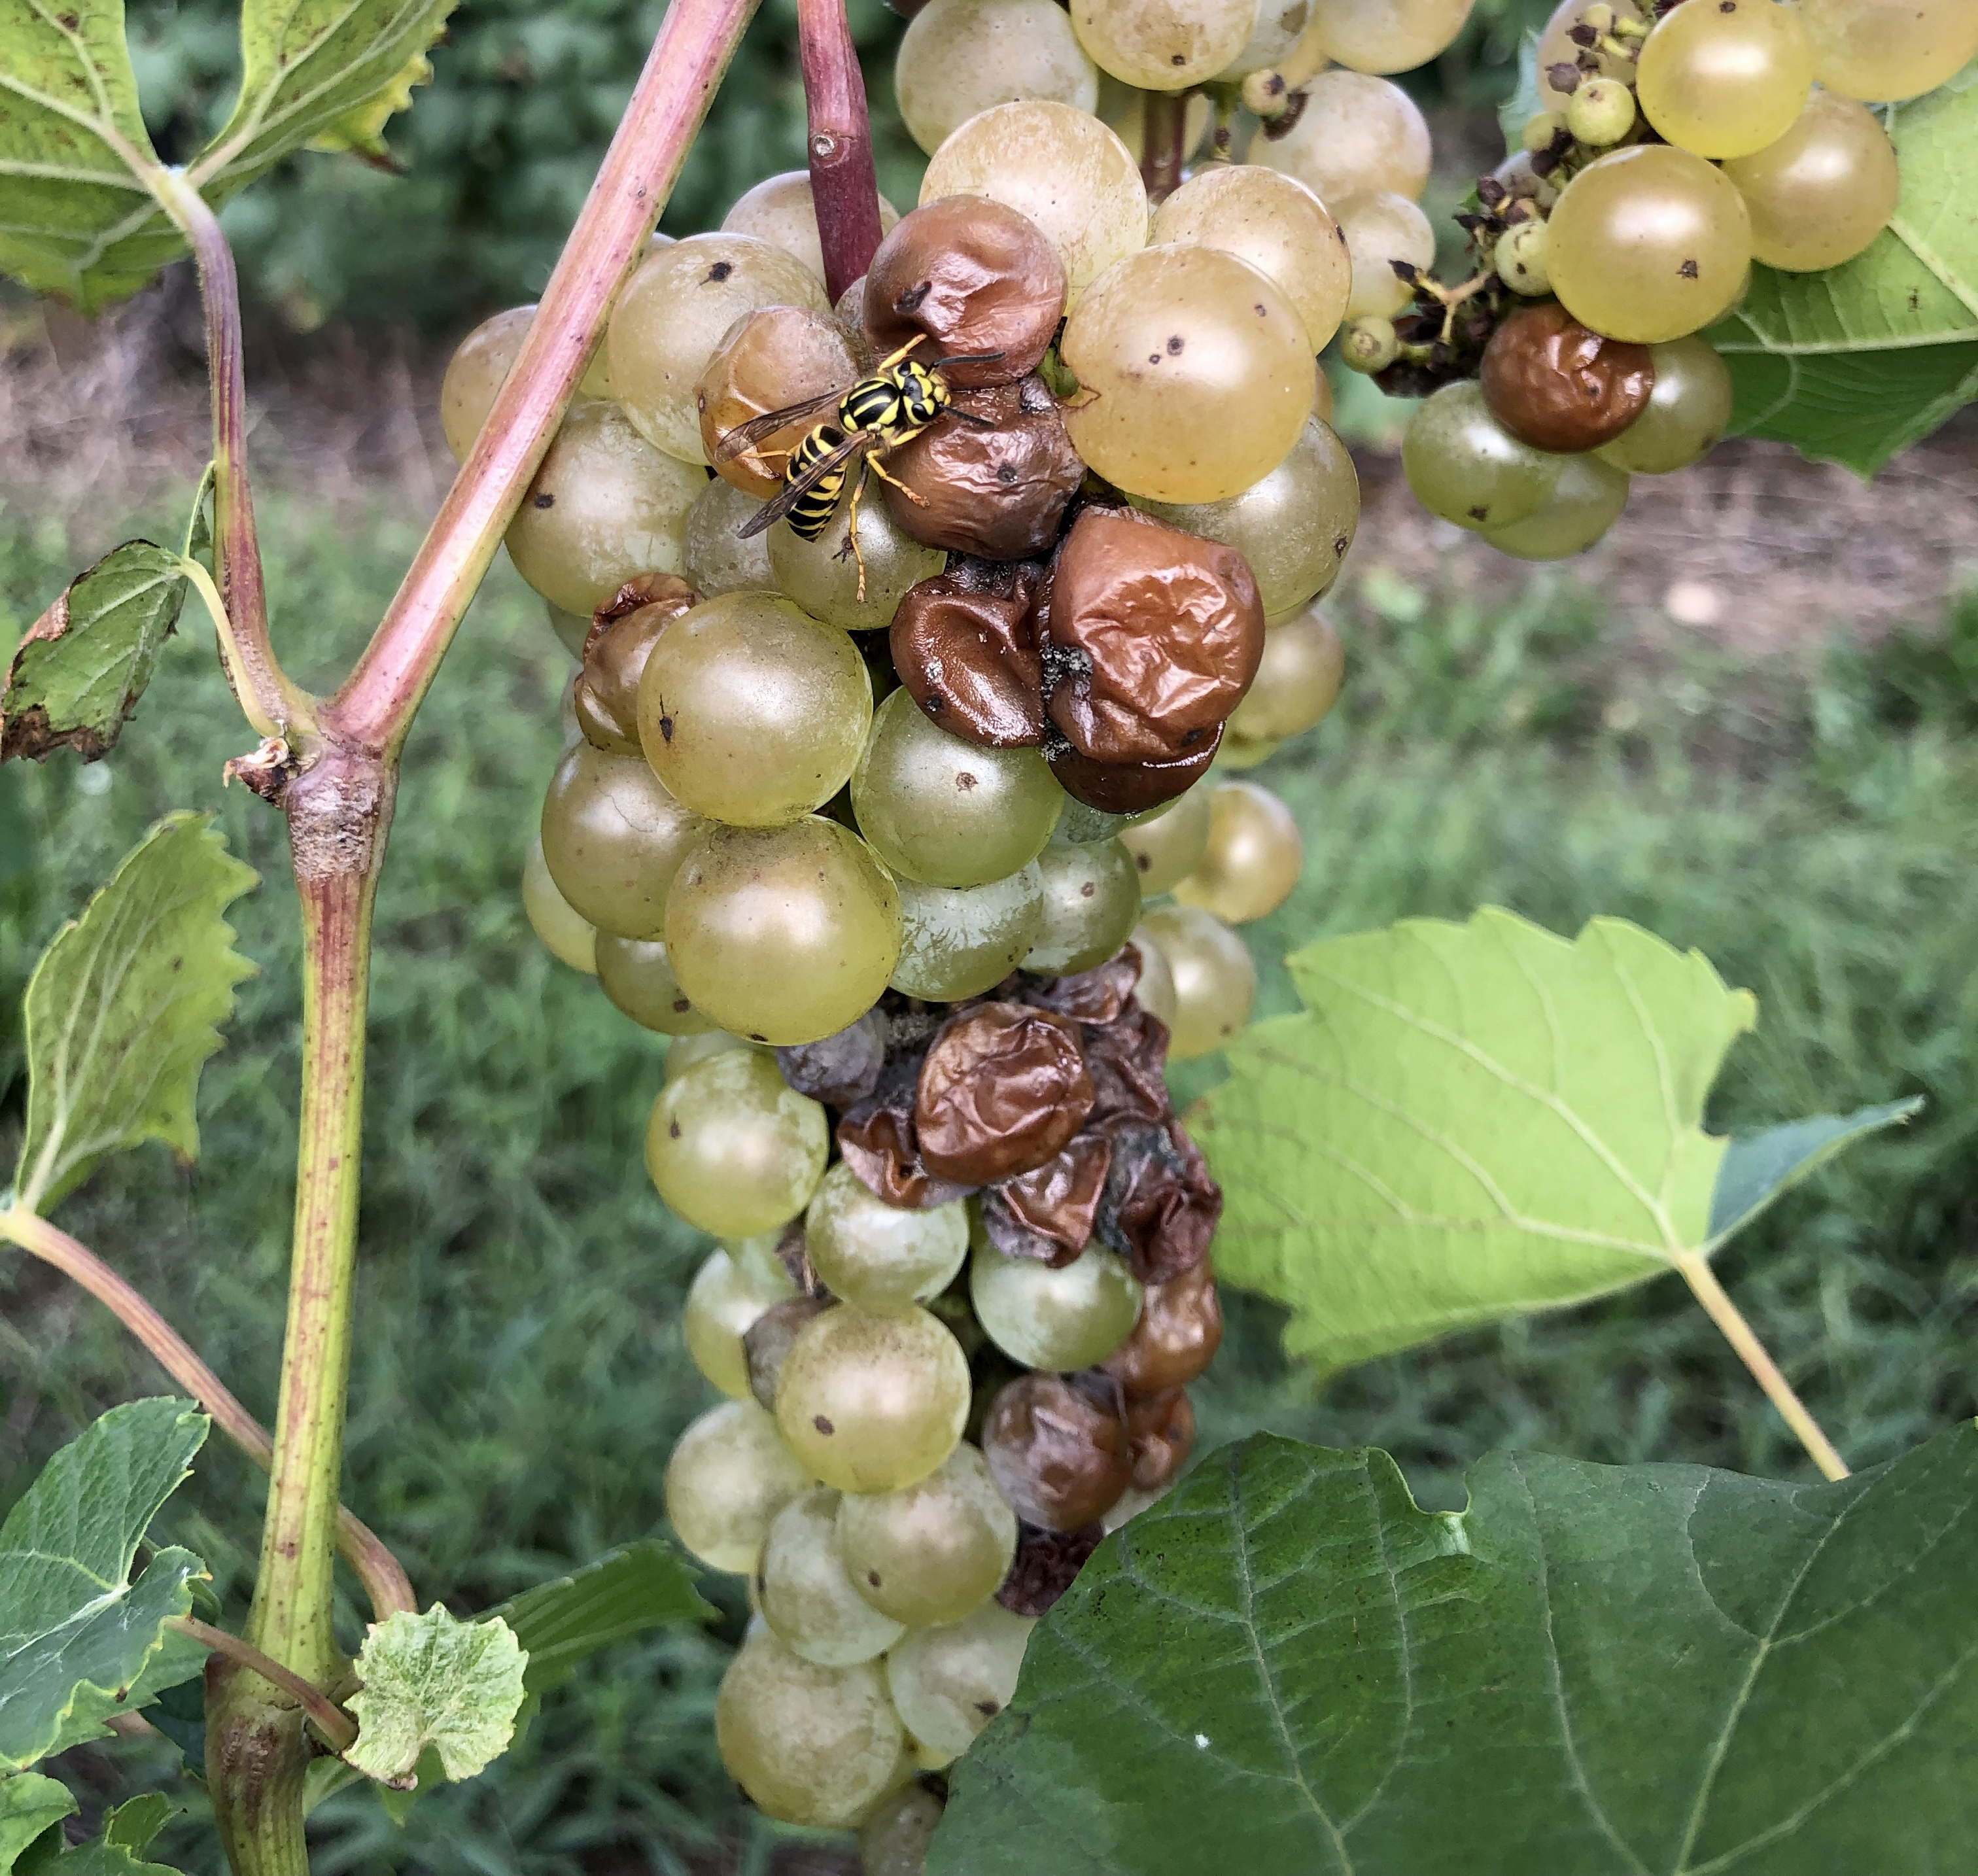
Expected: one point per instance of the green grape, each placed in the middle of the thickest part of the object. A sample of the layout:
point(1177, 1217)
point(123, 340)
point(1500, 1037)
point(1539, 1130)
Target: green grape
point(876, 1256)
point(634, 973)
point(752, 712)
point(1823, 191)
point(871, 1403)
point(604, 507)
point(1155, 992)
point(1200, 373)
point(1463, 465)
point(1276, 223)
point(674, 311)
point(1649, 244)
point(1369, 346)
point(1888, 50)
point(1381, 229)
point(1556, 47)
point(960, 941)
point(1293, 527)
point(783, 935)
point(729, 1476)
point(1092, 901)
point(734, 1150)
point(1688, 411)
point(822, 576)
point(1724, 77)
point(948, 1683)
point(1519, 260)
point(1254, 854)
point(1585, 502)
point(1238, 753)
point(717, 559)
point(683, 1051)
point(614, 838)
point(1388, 35)
point(807, 1598)
point(958, 57)
point(893, 1840)
point(728, 1293)
point(946, 812)
point(934, 1550)
point(1058, 167)
point(780, 210)
point(1169, 846)
point(1296, 685)
point(810, 1745)
point(1602, 111)
point(1541, 130)
point(572, 629)
point(1356, 135)
point(1215, 981)
point(567, 935)
point(1280, 24)
point(1063, 1319)
point(1163, 45)
point(479, 364)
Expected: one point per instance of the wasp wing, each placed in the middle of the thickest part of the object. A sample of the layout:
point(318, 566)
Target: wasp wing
point(787, 497)
point(745, 436)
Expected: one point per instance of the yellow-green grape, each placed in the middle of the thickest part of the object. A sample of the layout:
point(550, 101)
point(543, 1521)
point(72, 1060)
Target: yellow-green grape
point(810, 1745)
point(1380, 229)
point(1602, 111)
point(807, 1598)
point(1060, 167)
point(958, 57)
point(1123, 108)
point(1888, 50)
point(673, 312)
point(633, 973)
point(1092, 901)
point(1649, 243)
point(959, 942)
point(1688, 411)
point(1254, 854)
point(878, 1256)
point(567, 935)
point(1169, 846)
point(729, 1476)
point(1724, 77)
point(893, 1840)
point(783, 935)
point(717, 559)
point(1823, 191)
point(947, 813)
point(1586, 501)
point(1369, 345)
point(604, 507)
point(1541, 130)
point(822, 575)
point(1238, 753)
point(1296, 682)
point(948, 1683)
point(1556, 47)
point(1519, 260)
point(1356, 135)
point(1163, 45)
point(479, 366)
point(1200, 376)
point(683, 1051)
point(1294, 526)
point(1215, 981)
point(934, 1550)
point(733, 1148)
point(780, 210)
point(1388, 35)
point(729, 1292)
point(1280, 24)
point(871, 1403)
point(752, 712)
point(1062, 1320)
point(1463, 465)
point(614, 840)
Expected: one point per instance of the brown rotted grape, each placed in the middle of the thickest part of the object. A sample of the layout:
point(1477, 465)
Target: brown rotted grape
point(767, 360)
point(1058, 1449)
point(877, 1138)
point(1003, 1090)
point(961, 645)
point(623, 633)
point(1046, 1562)
point(1128, 787)
point(1179, 1330)
point(1161, 1430)
point(1054, 1205)
point(1160, 1206)
point(842, 1069)
point(1103, 994)
point(1557, 385)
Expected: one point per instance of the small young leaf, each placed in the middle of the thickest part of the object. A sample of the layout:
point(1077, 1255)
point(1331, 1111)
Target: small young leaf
point(76, 678)
point(30, 1805)
point(124, 1007)
point(76, 1634)
point(127, 1832)
point(199, 522)
point(622, 1594)
point(1757, 1167)
point(1287, 1666)
point(433, 1680)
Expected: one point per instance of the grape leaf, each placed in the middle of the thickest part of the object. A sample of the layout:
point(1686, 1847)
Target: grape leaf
point(123, 1007)
point(76, 678)
point(1591, 1671)
point(623, 1593)
point(127, 1832)
point(433, 1680)
point(1757, 1167)
point(30, 1806)
point(75, 1632)
point(1851, 364)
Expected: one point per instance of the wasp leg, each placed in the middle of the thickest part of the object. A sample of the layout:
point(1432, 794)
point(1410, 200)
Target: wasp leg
point(852, 533)
point(886, 475)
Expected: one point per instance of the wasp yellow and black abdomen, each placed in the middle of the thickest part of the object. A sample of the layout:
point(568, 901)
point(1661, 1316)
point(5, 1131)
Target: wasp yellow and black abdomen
point(812, 511)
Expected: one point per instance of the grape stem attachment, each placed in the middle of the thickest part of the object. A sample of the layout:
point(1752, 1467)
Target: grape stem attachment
point(1163, 143)
point(844, 188)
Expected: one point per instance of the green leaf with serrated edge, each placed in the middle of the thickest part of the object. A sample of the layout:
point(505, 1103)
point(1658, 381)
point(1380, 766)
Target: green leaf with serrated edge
point(1854, 363)
point(127, 1832)
point(77, 677)
point(433, 1680)
point(1757, 1167)
point(1591, 1671)
point(30, 1805)
point(75, 1632)
point(123, 1009)
point(1468, 1121)
point(642, 1586)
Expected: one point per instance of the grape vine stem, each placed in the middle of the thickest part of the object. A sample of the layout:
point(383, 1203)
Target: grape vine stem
point(1163, 143)
point(336, 1725)
point(845, 190)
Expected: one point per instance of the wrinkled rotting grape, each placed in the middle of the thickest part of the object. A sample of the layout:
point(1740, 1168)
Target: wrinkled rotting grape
point(1047, 1215)
point(1160, 1206)
point(842, 1068)
point(1560, 386)
point(1058, 1449)
point(1161, 1428)
point(606, 695)
point(1002, 1089)
point(1180, 1329)
point(962, 645)
point(1046, 1562)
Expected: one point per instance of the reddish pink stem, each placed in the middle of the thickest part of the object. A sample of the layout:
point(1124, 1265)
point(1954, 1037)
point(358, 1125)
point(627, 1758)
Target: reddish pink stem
point(842, 184)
